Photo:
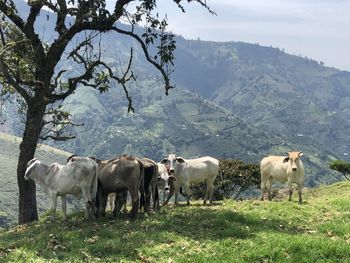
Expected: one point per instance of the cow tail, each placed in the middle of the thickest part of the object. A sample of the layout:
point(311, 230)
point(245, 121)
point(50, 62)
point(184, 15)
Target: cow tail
point(155, 190)
point(142, 179)
point(94, 184)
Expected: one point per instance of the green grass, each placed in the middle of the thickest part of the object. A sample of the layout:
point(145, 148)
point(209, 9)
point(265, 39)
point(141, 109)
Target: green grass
point(246, 231)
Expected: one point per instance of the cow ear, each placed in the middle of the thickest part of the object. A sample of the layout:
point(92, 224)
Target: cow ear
point(286, 160)
point(180, 159)
point(164, 161)
point(301, 154)
point(72, 158)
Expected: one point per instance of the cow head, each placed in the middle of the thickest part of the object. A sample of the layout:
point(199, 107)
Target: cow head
point(293, 158)
point(172, 162)
point(30, 171)
point(164, 178)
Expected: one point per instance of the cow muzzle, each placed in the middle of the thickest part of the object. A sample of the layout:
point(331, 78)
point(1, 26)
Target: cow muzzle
point(294, 169)
point(171, 171)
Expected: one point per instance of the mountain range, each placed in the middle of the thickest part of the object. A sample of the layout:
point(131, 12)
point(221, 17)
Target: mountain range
point(232, 100)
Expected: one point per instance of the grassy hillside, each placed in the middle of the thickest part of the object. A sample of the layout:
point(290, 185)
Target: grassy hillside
point(9, 149)
point(247, 231)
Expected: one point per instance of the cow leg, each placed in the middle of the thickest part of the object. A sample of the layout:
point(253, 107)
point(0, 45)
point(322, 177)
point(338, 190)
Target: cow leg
point(155, 197)
point(299, 193)
point(187, 192)
point(163, 192)
point(177, 191)
point(269, 189)
point(147, 205)
point(53, 208)
point(206, 194)
point(88, 204)
point(101, 203)
point(135, 203)
point(64, 207)
point(290, 187)
point(171, 192)
point(210, 189)
point(120, 200)
point(263, 190)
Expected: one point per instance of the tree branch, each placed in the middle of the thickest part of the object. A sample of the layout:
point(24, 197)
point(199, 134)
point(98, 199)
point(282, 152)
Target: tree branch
point(148, 57)
point(11, 81)
point(33, 13)
point(10, 13)
point(61, 17)
point(57, 138)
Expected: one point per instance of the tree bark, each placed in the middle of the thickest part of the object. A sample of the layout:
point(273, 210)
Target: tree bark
point(27, 190)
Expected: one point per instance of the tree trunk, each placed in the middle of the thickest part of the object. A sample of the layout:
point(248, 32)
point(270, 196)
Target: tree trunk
point(27, 191)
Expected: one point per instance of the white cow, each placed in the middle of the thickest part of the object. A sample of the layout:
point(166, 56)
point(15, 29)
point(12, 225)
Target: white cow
point(164, 180)
point(283, 169)
point(192, 172)
point(78, 178)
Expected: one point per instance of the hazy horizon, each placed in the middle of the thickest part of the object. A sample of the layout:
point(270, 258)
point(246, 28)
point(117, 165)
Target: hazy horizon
point(317, 29)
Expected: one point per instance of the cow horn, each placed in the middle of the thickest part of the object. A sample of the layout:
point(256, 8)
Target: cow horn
point(31, 162)
point(301, 154)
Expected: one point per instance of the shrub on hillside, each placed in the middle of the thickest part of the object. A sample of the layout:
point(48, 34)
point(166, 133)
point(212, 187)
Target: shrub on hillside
point(341, 166)
point(236, 177)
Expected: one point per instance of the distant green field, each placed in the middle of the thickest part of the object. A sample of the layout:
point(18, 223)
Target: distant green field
point(229, 231)
point(9, 150)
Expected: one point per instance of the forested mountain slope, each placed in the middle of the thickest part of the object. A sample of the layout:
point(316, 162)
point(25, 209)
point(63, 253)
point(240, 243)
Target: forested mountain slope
point(295, 97)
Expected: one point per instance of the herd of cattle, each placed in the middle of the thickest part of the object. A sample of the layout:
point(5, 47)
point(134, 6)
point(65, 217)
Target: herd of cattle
point(95, 180)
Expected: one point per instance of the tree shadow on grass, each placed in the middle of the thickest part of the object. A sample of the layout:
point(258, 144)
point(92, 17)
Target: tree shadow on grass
point(204, 224)
point(77, 239)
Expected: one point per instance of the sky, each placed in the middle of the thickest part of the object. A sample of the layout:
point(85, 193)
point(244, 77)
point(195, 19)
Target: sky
point(318, 29)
